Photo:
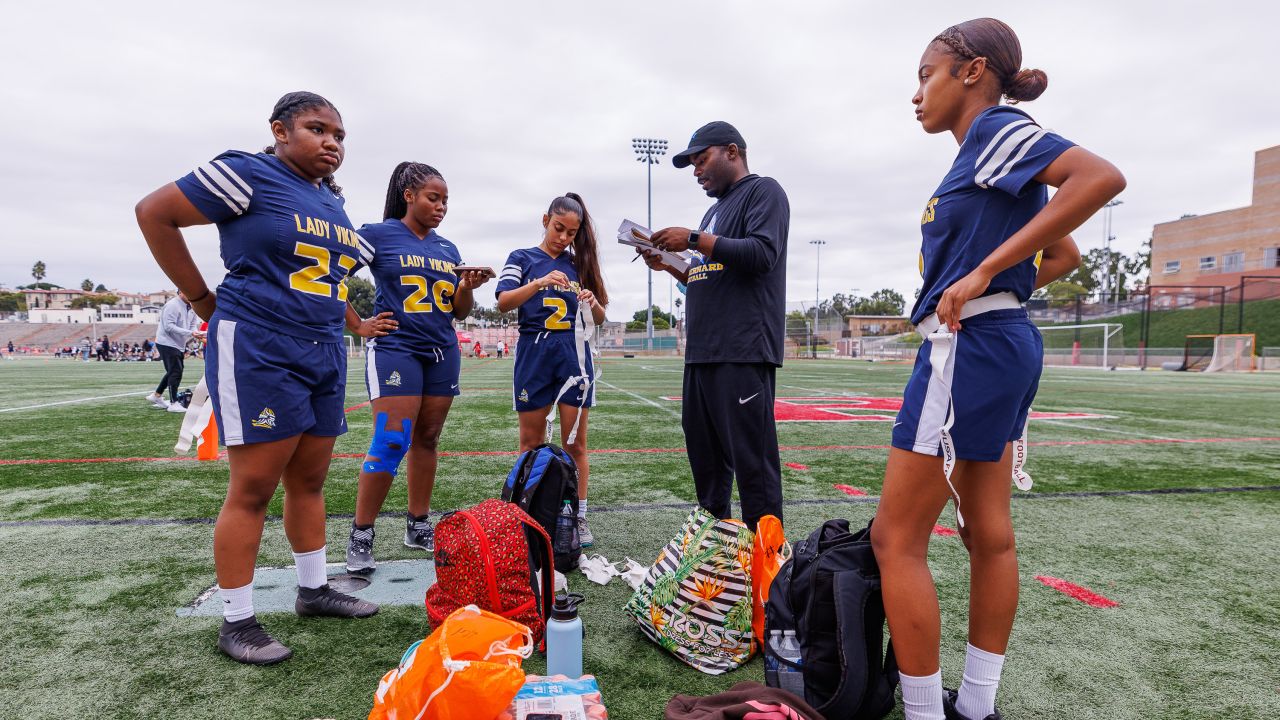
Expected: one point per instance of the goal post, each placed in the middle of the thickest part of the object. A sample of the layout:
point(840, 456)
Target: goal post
point(1097, 345)
point(1220, 353)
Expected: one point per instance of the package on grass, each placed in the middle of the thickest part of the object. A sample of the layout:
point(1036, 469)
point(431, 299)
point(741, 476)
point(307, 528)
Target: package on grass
point(696, 599)
point(558, 696)
point(467, 669)
point(600, 571)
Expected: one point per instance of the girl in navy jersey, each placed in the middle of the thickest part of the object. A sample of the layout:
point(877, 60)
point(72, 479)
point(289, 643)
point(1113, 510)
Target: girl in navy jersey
point(991, 236)
point(552, 284)
point(412, 370)
point(276, 365)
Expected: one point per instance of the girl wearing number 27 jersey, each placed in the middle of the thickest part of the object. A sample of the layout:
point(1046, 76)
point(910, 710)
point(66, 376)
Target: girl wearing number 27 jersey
point(276, 366)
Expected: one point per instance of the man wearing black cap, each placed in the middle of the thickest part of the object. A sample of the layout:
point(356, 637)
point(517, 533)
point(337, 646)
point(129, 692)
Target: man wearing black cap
point(736, 295)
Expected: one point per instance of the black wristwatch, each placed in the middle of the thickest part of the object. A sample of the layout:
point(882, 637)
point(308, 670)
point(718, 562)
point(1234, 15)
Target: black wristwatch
point(694, 237)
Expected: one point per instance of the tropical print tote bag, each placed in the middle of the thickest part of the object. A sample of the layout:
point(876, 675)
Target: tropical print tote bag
point(696, 599)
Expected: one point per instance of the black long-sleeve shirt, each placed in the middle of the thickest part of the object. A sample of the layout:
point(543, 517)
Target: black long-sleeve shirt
point(737, 297)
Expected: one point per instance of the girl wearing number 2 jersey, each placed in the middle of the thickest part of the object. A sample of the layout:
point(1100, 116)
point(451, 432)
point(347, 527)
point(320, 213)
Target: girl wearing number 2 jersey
point(552, 284)
point(412, 361)
point(276, 364)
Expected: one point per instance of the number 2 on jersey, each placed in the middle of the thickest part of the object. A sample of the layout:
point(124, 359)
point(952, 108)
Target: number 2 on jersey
point(556, 321)
point(308, 279)
point(441, 292)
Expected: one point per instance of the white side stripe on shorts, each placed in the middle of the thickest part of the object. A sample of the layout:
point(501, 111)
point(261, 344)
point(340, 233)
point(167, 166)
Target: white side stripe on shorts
point(228, 393)
point(371, 373)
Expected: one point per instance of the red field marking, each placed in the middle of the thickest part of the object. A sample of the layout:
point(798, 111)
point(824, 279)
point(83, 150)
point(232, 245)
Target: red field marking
point(796, 466)
point(356, 407)
point(850, 490)
point(864, 409)
point(1084, 595)
point(944, 531)
point(679, 450)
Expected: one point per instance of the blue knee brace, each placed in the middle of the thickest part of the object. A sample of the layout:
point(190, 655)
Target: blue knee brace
point(388, 446)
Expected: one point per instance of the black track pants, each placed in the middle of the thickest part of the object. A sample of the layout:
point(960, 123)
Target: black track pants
point(729, 430)
point(172, 358)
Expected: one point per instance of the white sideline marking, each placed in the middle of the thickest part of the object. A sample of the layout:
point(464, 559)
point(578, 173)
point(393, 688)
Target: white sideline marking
point(68, 402)
point(1073, 424)
point(641, 398)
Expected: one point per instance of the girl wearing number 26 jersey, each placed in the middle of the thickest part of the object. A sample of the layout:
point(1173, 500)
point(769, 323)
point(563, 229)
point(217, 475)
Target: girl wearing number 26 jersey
point(412, 361)
point(276, 365)
point(557, 286)
point(991, 236)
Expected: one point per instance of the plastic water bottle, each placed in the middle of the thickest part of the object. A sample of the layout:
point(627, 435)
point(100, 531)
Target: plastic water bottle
point(770, 660)
point(566, 531)
point(564, 637)
point(790, 678)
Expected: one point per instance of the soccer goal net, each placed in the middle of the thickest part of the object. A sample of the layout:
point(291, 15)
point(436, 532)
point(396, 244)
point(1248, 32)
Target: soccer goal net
point(1097, 345)
point(1219, 353)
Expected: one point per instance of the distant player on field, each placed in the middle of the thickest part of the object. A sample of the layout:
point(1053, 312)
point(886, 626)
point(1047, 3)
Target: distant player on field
point(991, 236)
point(178, 325)
point(551, 284)
point(277, 365)
point(412, 361)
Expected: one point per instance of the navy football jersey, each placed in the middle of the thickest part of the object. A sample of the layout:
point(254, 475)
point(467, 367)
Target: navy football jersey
point(989, 194)
point(415, 280)
point(288, 245)
point(552, 309)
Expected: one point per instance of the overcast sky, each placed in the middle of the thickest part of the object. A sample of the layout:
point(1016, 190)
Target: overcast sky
point(517, 102)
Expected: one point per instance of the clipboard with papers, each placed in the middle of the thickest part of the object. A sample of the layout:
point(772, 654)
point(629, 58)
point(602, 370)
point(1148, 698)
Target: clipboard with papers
point(637, 236)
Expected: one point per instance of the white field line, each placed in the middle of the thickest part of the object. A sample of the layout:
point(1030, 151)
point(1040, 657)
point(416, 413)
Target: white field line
point(1075, 424)
point(822, 392)
point(137, 393)
point(641, 398)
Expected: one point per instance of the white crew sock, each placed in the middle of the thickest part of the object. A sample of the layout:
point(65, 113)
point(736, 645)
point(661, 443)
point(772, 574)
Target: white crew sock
point(310, 567)
point(237, 603)
point(977, 697)
point(922, 696)
point(582, 509)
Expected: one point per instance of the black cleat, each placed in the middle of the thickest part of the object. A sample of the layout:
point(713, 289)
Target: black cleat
point(360, 551)
point(247, 642)
point(950, 711)
point(324, 601)
point(420, 533)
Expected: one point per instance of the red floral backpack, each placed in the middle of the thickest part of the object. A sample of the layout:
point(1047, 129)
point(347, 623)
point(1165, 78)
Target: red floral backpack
point(484, 557)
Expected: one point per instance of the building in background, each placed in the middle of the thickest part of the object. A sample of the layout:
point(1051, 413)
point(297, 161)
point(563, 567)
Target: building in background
point(1224, 248)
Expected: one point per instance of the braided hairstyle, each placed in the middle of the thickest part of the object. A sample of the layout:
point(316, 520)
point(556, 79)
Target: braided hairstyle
point(995, 42)
point(586, 254)
point(289, 107)
point(407, 176)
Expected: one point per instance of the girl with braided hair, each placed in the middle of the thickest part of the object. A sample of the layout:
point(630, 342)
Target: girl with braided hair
point(552, 285)
point(276, 364)
point(991, 236)
point(412, 360)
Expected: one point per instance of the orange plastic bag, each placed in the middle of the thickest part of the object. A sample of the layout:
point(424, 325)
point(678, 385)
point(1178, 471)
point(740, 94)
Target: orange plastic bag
point(468, 669)
point(770, 551)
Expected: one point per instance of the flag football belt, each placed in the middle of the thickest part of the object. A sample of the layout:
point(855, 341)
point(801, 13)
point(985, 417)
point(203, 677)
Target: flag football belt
point(941, 354)
point(584, 327)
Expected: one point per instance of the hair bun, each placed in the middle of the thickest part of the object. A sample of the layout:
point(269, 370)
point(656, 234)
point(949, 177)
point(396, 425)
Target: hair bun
point(1026, 85)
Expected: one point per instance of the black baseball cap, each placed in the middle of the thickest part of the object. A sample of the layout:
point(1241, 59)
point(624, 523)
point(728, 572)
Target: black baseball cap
point(714, 133)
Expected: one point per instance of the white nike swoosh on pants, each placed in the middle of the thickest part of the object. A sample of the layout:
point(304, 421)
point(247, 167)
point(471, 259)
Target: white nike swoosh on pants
point(744, 402)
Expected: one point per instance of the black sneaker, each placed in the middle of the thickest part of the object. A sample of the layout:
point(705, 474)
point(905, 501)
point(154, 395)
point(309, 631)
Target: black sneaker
point(420, 533)
point(950, 711)
point(245, 641)
point(360, 551)
point(324, 601)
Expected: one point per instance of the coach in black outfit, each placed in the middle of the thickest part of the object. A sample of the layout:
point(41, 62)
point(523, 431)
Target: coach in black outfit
point(736, 295)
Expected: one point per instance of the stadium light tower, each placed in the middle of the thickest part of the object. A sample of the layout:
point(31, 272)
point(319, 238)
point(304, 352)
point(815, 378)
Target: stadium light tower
point(647, 151)
point(1108, 280)
point(817, 272)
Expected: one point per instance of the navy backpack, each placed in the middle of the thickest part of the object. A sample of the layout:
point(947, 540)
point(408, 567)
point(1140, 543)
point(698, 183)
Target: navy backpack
point(542, 481)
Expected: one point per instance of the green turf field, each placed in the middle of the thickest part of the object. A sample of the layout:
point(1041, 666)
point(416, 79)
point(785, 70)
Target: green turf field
point(98, 555)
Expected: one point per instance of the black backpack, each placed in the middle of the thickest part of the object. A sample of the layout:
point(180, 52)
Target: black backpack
point(829, 594)
point(542, 481)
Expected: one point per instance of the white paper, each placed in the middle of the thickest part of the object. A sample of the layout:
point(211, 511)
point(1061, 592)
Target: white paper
point(680, 261)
